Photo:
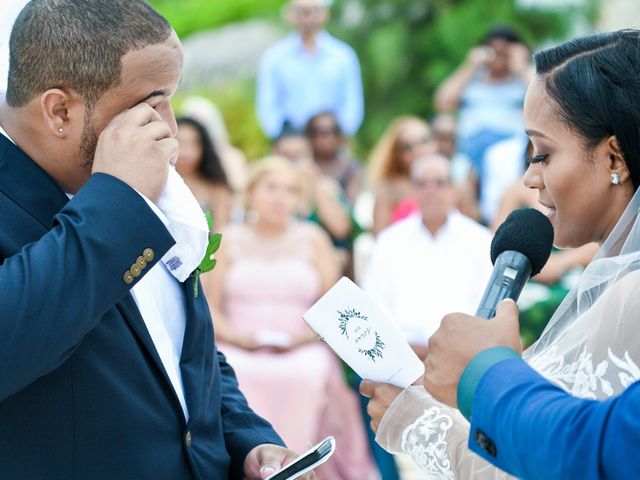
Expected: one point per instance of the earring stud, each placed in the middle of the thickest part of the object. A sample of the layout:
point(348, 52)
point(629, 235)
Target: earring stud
point(615, 178)
point(60, 130)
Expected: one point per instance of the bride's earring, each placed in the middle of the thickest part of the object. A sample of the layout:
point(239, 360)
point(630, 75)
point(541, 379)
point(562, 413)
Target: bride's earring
point(615, 178)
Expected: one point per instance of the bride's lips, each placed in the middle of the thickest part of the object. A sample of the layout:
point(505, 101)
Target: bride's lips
point(547, 210)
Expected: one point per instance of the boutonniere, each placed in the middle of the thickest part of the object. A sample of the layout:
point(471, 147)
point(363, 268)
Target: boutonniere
point(208, 262)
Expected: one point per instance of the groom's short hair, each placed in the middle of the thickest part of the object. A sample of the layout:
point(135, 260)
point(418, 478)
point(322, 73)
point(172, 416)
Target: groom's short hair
point(77, 44)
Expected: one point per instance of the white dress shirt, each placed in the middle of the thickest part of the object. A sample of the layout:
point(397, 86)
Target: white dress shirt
point(417, 278)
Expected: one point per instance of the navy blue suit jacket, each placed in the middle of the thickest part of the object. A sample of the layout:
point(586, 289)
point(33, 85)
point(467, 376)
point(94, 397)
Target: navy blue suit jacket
point(83, 394)
point(532, 429)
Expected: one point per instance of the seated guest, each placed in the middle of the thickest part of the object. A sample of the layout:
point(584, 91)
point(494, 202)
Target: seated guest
point(332, 155)
point(269, 272)
point(433, 262)
point(322, 201)
point(405, 140)
point(233, 160)
point(464, 178)
point(201, 168)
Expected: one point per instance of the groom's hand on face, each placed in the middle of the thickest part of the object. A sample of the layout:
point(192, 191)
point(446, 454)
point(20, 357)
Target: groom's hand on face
point(137, 147)
point(460, 338)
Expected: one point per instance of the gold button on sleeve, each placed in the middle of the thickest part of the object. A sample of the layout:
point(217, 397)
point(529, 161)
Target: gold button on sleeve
point(135, 270)
point(148, 255)
point(128, 278)
point(141, 262)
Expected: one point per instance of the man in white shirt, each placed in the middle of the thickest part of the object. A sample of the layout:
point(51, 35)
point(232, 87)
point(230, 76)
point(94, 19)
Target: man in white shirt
point(433, 262)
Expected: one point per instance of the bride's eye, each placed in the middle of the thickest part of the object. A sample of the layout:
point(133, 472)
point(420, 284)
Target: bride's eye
point(537, 158)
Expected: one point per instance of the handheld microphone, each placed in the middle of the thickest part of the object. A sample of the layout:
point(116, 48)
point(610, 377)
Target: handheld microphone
point(519, 250)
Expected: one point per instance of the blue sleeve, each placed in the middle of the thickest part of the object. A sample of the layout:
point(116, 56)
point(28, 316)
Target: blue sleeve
point(474, 372)
point(532, 429)
point(351, 112)
point(54, 291)
point(244, 430)
point(269, 101)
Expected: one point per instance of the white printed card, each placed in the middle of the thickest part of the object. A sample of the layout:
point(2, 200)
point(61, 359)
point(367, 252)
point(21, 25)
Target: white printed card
point(362, 335)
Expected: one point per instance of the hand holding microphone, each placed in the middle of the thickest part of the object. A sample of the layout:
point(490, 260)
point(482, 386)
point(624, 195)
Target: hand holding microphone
point(520, 248)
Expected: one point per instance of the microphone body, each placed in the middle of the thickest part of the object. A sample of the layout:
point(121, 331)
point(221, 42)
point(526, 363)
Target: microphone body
point(511, 271)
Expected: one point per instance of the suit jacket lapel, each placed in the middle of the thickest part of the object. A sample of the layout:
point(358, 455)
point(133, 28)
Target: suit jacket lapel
point(130, 312)
point(193, 355)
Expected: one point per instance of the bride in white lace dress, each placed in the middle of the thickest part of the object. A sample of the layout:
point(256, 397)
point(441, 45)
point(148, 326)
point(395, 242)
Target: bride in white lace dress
point(582, 114)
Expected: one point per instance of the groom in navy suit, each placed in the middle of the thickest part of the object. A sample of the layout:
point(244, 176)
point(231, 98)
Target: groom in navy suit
point(108, 366)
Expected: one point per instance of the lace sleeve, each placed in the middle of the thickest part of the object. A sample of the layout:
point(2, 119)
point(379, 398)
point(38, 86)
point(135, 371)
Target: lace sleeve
point(434, 436)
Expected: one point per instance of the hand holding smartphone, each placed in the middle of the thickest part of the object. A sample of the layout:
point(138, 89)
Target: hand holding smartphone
point(306, 462)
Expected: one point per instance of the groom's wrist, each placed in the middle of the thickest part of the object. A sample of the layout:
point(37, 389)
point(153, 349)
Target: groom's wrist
point(473, 373)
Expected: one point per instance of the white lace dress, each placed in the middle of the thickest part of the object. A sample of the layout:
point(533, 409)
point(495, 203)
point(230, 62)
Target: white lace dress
point(595, 354)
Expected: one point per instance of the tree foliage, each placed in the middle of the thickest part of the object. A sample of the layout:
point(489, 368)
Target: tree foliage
point(191, 16)
point(408, 47)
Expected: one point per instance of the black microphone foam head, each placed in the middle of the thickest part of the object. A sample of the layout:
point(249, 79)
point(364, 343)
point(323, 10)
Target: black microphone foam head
point(526, 231)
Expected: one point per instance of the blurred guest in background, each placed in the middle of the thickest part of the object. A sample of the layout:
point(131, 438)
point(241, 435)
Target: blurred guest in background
point(504, 164)
point(332, 155)
point(462, 173)
point(406, 139)
point(201, 168)
point(309, 72)
point(322, 201)
point(487, 91)
point(432, 262)
point(269, 272)
point(233, 159)
point(292, 144)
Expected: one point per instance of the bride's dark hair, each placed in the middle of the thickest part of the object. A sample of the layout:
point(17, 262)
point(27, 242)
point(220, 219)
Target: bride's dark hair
point(595, 84)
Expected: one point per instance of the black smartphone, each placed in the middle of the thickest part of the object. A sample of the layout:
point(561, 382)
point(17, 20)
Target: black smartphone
point(307, 461)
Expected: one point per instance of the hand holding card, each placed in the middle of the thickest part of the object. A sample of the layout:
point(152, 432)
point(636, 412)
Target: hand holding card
point(361, 334)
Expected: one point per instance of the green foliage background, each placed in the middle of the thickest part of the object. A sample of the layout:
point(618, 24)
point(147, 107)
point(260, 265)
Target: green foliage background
point(191, 16)
point(406, 48)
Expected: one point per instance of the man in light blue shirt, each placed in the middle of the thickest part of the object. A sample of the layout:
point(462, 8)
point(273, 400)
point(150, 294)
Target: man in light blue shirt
point(307, 73)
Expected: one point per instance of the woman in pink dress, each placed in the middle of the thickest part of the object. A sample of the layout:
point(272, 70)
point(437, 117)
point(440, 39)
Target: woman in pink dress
point(269, 272)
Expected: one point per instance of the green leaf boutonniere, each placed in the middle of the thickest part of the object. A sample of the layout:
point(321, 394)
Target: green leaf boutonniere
point(208, 262)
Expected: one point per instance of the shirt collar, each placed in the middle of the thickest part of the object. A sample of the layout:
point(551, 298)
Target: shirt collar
point(321, 41)
point(442, 231)
point(2, 132)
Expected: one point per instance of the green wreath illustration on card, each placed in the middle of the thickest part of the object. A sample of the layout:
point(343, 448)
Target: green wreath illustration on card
point(354, 325)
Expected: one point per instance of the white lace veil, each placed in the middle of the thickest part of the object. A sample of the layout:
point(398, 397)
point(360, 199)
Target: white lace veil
point(618, 255)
